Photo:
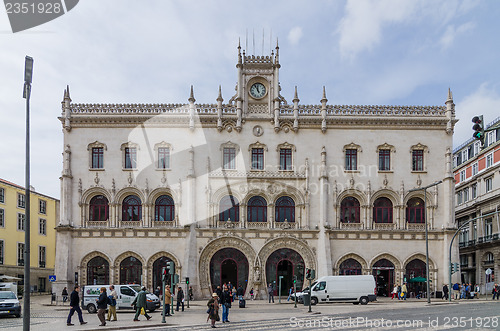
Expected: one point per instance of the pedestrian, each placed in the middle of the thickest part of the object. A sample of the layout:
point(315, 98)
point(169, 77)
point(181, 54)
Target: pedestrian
point(270, 290)
point(65, 294)
point(180, 298)
point(290, 293)
point(74, 303)
point(225, 301)
point(218, 291)
point(230, 287)
point(477, 290)
point(467, 291)
point(168, 300)
point(445, 292)
point(190, 293)
point(102, 305)
point(462, 291)
point(233, 294)
point(394, 291)
point(112, 303)
point(399, 292)
point(240, 292)
point(140, 303)
point(213, 309)
point(404, 291)
point(157, 291)
point(251, 294)
point(456, 291)
point(495, 291)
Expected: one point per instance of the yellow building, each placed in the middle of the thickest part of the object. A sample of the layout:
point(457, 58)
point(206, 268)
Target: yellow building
point(44, 212)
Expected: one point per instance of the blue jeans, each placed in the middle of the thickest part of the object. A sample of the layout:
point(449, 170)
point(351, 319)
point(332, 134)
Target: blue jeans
point(225, 313)
point(72, 311)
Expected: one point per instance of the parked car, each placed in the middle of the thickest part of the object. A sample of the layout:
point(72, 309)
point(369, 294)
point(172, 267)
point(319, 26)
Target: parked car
point(9, 304)
point(356, 289)
point(126, 295)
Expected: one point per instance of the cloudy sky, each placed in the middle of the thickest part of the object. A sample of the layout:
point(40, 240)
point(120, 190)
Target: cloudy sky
point(130, 51)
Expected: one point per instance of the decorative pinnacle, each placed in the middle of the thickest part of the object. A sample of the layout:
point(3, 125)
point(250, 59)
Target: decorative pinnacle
point(324, 99)
point(450, 95)
point(295, 96)
point(219, 98)
point(191, 96)
point(66, 94)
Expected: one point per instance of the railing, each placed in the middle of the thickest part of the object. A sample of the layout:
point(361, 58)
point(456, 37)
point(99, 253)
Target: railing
point(97, 224)
point(416, 226)
point(257, 225)
point(163, 224)
point(384, 226)
point(351, 226)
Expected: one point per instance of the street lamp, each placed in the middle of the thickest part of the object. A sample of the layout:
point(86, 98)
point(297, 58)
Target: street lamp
point(28, 74)
point(428, 288)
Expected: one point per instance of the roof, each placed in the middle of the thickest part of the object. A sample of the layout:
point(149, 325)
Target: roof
point(3, 181)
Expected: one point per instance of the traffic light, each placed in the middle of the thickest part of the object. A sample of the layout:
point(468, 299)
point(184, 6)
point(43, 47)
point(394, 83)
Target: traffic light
point(187, 280)
point(478, 128)
point(455, 267)
point(295, 279)
point(170, 267)
point(308, 273)
point(164, 275)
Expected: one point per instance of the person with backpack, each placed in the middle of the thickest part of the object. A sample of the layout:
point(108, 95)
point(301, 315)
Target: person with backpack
point(112, 303)
point(456, 291)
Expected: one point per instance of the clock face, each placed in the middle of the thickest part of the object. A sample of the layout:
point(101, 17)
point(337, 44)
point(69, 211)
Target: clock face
point(258, 90)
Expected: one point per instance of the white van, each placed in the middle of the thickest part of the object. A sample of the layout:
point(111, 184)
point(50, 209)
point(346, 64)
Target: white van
point(126, 295)
point(355, 289)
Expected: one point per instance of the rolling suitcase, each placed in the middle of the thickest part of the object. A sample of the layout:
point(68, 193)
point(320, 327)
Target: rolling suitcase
point(242, 303)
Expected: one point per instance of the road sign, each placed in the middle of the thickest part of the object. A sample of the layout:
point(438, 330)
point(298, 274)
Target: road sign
point(52, 278)
point(488, 271)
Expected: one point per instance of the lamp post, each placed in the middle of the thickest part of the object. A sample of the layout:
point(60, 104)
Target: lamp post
point(28, 74)
point(426, 236)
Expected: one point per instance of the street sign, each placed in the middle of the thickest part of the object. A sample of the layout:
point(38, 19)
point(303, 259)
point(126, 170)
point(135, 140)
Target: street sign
point(52, 278)
point(488, 271)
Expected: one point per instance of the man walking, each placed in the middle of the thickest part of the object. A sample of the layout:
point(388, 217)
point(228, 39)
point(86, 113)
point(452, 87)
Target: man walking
point(140, 303)
point(102, 305)
point(240, 292)
point(74, 302)
point(225, 301)
point(112, 306)
point(270, 290)
point(445, 292)
point(180, 298)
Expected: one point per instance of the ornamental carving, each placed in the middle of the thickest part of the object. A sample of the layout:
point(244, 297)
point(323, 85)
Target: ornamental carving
point(97, 144)
point(386, 146)
point(217, 244)
point(352, 146)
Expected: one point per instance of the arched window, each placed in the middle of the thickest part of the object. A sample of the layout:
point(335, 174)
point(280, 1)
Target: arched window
point(229, 209)
point(382, 211)
point(285, 209)
point(131, 209)
point(350, 267)
point(415, 212)
point(98, 209)
point(164, 209)
point(257, 209)
point(349, 210)
point(98, 271)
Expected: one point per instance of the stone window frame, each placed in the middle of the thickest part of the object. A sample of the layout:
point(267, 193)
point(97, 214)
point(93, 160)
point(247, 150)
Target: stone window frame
point(358, 149)
point(163, 144)
point(2, 218)
point(44, 222)
point(21, 200)
point(2, 251)
point(129, 144)
point(264, 148)
point(40, 247)
point(96, 144)
point(2, 195)
point(392, 150)
point(486, 180)
point(229, 144)
point(20, 257)
point(42, 206)
point(286, 145)
point(425, 150)
point(18, 222)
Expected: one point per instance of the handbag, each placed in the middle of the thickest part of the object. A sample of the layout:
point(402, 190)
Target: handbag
point(143, 311)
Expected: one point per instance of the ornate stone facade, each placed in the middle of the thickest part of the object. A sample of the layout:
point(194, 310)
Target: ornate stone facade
point(257, 175)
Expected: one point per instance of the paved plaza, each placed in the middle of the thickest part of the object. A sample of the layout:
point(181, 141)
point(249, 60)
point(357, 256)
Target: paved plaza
point(260, 315)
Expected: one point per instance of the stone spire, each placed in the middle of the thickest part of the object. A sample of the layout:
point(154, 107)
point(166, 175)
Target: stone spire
point(191, 109)
point(239, 52)
point(277, 56)
point(66, 107)
point(191, 95)
point(323, 111)
point(295, 111)
point(219, 110)
point(450, 113)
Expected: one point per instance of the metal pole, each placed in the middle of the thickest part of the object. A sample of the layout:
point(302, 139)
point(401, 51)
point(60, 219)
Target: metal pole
point(27, 285)
point(310, 293)
point(279, 291)
point(172, 285)
point(427, 248)
point(164, 285)
point(187, 292)
point(295, 291)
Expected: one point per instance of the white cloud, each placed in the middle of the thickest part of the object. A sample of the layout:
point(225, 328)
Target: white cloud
point(295, 35)
point(361, 27)
point(480, 102)
point(452, 33)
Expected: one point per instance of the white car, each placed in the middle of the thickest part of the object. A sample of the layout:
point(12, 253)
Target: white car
point(9, 305)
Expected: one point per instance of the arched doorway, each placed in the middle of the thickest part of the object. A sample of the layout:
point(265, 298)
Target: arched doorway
point(350, 267)
point(383, 271)
point(415, 275)
point(229, 265)
point(130, 271)
point(98, 271)
point(287, 263)
point(158, 266)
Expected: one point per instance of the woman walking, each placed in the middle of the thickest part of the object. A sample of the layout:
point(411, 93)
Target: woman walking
point(213, 309)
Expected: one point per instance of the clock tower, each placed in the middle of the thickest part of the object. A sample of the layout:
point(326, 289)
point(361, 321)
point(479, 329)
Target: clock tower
point(258, 87)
